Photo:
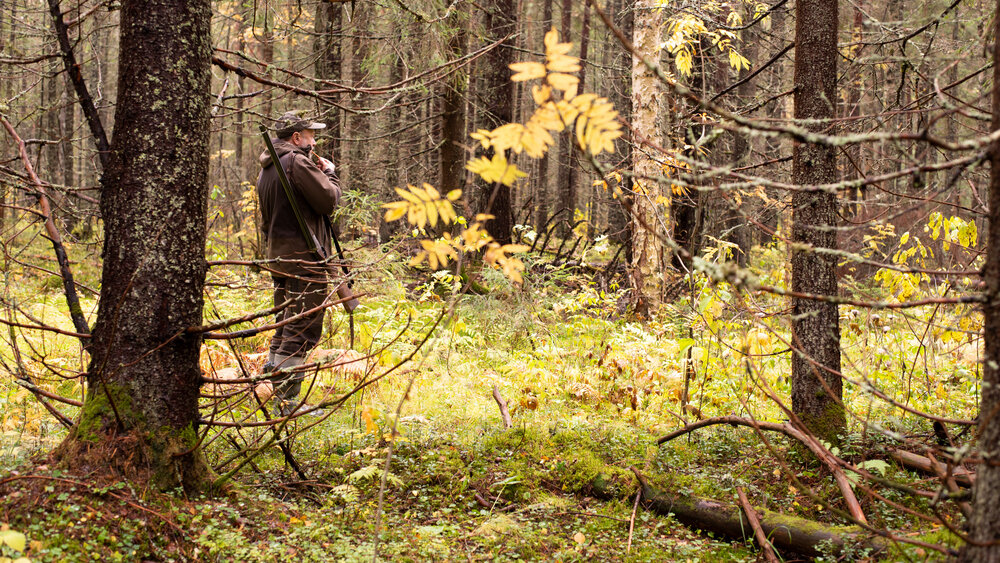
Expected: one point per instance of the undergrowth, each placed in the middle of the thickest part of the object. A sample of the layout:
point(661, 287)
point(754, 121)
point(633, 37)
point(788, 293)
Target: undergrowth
point(589, 389)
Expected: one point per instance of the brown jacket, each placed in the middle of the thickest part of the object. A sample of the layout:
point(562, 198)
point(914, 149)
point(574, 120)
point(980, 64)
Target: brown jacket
point(316, 192)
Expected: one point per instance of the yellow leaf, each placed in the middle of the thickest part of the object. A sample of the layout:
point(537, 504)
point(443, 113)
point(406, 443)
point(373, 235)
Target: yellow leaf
point(561, 81)
point(527, 71)
point(408, 195)
point(507, 136)
point(432, 192)
point(483, 136)
point(552, 45)
point(541, 94)
point(431, 210)
point(368, 416)
point(395, 211)
point(515, 248)
point(562, 63)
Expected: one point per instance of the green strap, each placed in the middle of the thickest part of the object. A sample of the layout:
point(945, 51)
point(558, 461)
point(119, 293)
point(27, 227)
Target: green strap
point(283, 180)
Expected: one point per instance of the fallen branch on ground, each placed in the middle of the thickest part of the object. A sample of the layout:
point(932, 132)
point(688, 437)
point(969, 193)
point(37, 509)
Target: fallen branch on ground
point(785, 532)
point(758, 532)
point(962, 476)
point(821, 453)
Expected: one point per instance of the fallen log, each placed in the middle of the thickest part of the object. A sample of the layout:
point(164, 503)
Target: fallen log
point(962, 476)
point(821, 452)
point(787, 533)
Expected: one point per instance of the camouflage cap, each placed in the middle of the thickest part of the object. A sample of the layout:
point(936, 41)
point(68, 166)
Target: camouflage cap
point(291, 122)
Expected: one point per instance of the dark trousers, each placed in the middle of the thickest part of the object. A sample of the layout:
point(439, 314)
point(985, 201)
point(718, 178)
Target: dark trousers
point(301, 335)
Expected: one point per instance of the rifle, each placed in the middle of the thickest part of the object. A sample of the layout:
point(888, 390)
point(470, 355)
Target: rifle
point(344, 289)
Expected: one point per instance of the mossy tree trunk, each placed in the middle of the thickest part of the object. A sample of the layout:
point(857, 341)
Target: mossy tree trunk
point(984, 527)
point(140, 415)
point(816, 384)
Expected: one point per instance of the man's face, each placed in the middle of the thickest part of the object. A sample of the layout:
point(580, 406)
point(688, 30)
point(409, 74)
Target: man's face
point(304, 138)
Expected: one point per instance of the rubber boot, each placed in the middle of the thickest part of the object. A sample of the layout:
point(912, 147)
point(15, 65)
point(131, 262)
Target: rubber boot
point(287, 385)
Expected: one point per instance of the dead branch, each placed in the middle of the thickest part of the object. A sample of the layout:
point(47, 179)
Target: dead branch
point(507, 424)
point(786, 532)
point(962, 476)
point(69, 286)
point(76, 77)
point(758, 532)
point(821, 453)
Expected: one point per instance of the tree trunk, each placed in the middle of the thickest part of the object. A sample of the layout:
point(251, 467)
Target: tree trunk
point(619, 223)
point(498, 108)
point(565, 189)
point(816, 383)
point(650, 217)
point(140, 413)
point(984, 525)
point(543, 197)
point(453, 115)
point(575, 163)
point(328, 28)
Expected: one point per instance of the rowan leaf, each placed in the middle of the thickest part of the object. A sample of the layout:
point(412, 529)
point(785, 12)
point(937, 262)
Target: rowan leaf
point(527, 71)
point(562, 63)
point(395, 210)
point(564, 82)
point(541, 94)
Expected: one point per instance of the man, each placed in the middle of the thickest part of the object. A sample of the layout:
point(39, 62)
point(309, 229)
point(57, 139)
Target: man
point(297, 270)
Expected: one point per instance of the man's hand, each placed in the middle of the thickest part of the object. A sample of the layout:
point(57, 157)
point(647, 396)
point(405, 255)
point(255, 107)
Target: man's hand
point(327, 165)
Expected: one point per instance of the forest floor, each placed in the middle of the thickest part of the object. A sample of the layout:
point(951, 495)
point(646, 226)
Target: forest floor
point(589, 393)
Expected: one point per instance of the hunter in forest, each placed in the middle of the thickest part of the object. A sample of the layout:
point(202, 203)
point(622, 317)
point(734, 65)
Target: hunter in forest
point(297, 234)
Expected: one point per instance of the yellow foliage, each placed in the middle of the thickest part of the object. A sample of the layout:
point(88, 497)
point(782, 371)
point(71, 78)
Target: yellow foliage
point(527, 71)
point(423, 206)
point(495, 169)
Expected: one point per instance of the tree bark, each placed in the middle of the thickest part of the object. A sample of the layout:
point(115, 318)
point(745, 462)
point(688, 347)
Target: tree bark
point(498, 108)
point(984, 525)
point(565, 189)
point(619, 222)
point(816, 383)
point(453, 115)
point(542, 199)
point(651, 214)
point(140, 413)
point(328, 27)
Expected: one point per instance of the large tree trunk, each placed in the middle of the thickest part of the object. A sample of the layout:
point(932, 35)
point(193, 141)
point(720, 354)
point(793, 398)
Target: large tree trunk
point(816, 384)
point(575, 164)
point(650, 218)
point(453, 115)
point(984, 525)
point(498, 108)
point(619, 223)
point(565, 188)
point(140, 414)
point(329, 18)
point(543, 196)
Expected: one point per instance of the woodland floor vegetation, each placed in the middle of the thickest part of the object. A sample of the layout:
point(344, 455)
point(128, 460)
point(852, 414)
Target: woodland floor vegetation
point(590, 390)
